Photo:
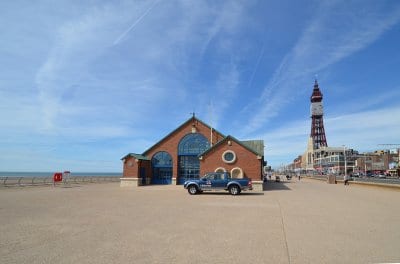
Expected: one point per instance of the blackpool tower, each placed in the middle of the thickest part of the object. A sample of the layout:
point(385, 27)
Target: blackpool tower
point(317, 124)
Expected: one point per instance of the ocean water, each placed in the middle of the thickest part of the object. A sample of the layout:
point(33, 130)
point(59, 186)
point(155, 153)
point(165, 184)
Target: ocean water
point(50, 174)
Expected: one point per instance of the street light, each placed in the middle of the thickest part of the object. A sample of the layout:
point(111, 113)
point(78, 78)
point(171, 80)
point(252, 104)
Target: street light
point(345, 162)
point(365, 165)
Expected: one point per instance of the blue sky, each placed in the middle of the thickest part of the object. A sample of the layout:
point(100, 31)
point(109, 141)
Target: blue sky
point(82, 83)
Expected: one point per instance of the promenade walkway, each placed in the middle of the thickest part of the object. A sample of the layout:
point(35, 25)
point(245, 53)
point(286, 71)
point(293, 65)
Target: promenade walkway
point(303, 221)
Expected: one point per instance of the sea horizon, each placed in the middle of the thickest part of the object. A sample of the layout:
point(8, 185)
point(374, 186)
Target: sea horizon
point(50, 174)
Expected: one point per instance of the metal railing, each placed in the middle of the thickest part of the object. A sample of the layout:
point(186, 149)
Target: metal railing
point(44, 181)
point(388, 180)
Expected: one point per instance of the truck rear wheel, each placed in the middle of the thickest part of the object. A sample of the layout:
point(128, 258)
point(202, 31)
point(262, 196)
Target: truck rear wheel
point(234, 189)
point(192, 189)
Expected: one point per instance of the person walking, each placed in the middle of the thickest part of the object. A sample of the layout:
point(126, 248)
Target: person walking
point(346, 179)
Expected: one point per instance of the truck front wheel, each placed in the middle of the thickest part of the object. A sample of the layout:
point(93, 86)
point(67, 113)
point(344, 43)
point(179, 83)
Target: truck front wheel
point(192, 189)
point(234, 189)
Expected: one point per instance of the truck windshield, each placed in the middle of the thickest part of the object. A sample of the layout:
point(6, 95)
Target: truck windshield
point(208, 176)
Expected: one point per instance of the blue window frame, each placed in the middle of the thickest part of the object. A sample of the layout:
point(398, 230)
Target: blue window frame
point(162, 168)
point(229, 156)
point(193, 144)
point(189, 148)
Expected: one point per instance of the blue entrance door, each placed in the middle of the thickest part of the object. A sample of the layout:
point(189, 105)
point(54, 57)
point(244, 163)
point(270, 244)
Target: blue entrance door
point(162, 176)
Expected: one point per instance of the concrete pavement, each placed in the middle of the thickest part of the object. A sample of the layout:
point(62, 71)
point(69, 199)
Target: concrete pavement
point(303, 221)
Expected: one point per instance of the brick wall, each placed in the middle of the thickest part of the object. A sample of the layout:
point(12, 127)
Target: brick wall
point(170, 144)
point(130, 168)
point(245, 159)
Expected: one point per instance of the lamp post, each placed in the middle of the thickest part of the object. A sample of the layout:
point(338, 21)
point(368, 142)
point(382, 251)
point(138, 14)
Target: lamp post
point(345, 162)
point(365, 165)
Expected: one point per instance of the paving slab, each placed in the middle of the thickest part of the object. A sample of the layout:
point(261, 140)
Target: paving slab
point(291, 222)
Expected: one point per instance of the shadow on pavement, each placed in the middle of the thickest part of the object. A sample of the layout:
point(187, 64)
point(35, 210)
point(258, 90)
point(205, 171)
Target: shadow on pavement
point(68, 186)
point(246, 193)
point(252, 193)
point(275, 186)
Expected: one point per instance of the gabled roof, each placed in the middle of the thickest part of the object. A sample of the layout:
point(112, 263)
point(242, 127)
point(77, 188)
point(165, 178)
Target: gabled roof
point(256, 145)
point(192, 119)
point(251, 145)
point(136, 156)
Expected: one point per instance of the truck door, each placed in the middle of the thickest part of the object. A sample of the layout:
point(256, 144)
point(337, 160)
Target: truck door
point(218, 182)
point(205, 183)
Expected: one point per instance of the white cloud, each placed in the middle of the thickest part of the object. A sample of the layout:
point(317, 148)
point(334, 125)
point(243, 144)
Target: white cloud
point(361, 131)
point(69, 88)
point(159, 39)
point(337, 30)
point(365, 130)
point(78, 43)
point(114, 71)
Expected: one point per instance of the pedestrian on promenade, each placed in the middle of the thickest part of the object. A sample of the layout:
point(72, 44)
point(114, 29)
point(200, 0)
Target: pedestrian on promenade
point(346, 179)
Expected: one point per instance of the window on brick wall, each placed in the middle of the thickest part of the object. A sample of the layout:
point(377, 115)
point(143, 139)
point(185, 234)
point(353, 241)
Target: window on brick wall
point(189, 148)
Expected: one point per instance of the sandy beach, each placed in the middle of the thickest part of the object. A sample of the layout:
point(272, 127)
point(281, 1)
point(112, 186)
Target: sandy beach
point(292, 222)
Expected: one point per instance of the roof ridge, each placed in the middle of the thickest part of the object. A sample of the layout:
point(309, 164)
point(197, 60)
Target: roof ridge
point(179, 127)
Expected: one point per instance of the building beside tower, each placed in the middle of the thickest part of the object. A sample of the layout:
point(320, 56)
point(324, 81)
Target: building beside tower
point(318, 157)
point(191, 150)
point(321, 159)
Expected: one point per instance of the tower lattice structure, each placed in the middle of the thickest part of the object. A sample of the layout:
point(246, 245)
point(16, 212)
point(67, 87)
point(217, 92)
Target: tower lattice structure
point(317, 121)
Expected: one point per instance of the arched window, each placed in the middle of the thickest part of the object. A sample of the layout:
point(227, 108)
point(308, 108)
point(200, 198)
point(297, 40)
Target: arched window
point(193, 144)
point(237, 173)
point(161, 159)
point(162, 168)
point(220, 169)
point(189, 148)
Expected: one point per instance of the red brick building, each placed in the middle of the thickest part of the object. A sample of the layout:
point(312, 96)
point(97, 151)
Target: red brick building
point(190, 151)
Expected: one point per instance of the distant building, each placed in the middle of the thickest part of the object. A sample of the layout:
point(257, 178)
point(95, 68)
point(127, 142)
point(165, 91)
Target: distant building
point(297, 163)
point(191, 150)
point(380, 161)
point(334, 160)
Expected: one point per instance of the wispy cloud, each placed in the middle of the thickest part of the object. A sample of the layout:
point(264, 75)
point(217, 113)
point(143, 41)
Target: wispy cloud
point(361, 100)
point(336, 31)
point(155, 51)
point(355, 130)
point(77, 44)
point(118, 76)
point(364, 130)
point(260, 56)
point(68, 84)
point(135, 23)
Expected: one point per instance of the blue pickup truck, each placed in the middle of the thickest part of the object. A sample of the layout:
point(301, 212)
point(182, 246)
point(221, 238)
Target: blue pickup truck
point(217, 181)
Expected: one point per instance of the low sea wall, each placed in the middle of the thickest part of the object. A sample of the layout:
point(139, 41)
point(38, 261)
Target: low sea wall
point(43, 181)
